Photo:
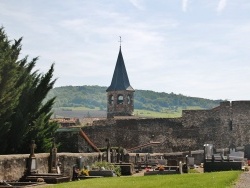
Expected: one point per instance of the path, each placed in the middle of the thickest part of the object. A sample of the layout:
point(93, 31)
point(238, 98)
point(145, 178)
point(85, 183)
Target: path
point(244, 180)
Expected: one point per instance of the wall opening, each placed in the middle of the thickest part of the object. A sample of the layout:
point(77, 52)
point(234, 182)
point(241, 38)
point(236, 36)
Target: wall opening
point(129, 99)
point(230, 125)
point(120, 99)
point(111, 99)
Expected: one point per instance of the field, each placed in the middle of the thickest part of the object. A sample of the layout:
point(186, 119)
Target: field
point(82, 112)
point(153, 114)
point(197, 180)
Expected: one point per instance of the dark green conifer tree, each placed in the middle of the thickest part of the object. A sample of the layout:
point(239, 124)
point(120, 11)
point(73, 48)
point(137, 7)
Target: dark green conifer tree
point(22, 91)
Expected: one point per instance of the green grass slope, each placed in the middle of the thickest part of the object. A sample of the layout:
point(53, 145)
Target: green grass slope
point(204, 180)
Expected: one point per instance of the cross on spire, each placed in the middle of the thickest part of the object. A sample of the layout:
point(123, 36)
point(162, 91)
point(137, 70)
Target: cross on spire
point(120, 41)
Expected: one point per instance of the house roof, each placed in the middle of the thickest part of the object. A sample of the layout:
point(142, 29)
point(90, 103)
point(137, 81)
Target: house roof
point(120, 79)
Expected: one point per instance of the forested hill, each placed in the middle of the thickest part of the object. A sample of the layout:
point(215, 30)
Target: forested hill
point(95, 97)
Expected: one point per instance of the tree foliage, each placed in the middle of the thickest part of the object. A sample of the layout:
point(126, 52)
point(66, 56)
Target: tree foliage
point(23, 115)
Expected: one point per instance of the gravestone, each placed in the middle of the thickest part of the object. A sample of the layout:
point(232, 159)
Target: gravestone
point(53, 159)
point(32, 174)
point(208, 151)
point(113, 156)
point(32, 162)
point(99, 157)
point(247, 151)
point(137, 157)
point(108, 151)
point(120, 155)
point(80, 162)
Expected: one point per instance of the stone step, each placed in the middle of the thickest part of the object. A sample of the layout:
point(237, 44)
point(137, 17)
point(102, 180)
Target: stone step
point(48, 178)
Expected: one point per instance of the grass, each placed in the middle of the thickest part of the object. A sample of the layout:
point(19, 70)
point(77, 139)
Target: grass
point(153, 114)
point(168, 113)
point(215, 180)
point(78, 108)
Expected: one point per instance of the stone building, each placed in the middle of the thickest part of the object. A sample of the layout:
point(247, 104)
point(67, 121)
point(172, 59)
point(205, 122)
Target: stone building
point(223, 126)
point(120, 94)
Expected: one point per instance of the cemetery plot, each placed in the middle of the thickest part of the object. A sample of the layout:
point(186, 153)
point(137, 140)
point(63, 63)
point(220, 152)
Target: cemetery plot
point(234, 160)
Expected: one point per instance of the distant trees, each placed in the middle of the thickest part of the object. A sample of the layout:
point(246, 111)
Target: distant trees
point(23, 115)
point(95, 97)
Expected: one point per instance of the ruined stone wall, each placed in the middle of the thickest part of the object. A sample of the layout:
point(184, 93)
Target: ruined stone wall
point(241, 122)
point(206, 126)
point(129, 133)
point(223, 126)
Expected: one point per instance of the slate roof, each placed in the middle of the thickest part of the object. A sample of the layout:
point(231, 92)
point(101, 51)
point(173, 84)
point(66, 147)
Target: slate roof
point(120, 79)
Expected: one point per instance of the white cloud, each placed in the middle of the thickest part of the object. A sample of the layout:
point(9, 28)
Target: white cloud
point(221, 5)
point(199, 55)
point(184, 5)
point(137, 4)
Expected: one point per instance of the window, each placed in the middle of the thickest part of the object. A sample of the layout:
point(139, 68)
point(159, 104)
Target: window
point(129, 99)
point(111, 99)
point(120, 99)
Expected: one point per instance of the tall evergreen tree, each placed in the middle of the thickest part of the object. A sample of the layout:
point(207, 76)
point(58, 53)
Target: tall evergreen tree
point(22, 91)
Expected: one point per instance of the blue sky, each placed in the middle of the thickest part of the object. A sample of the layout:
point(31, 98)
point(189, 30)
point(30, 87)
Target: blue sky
point(198, 48)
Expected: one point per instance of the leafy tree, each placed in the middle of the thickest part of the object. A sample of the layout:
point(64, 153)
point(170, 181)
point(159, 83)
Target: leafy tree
point(22, 91)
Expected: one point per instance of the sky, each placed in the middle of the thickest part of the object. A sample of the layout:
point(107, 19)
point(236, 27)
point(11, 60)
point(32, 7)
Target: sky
point(197, 48)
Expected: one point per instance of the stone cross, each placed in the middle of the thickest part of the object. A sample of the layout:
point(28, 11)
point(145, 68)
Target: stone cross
point(32, 163)
point(120, 41)
point(32, 148)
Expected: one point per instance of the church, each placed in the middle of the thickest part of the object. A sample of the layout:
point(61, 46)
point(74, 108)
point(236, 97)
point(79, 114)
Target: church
point(120, 94)
point(225, 125)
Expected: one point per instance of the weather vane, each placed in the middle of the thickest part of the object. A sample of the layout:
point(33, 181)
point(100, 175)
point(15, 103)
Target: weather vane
point(120, 41)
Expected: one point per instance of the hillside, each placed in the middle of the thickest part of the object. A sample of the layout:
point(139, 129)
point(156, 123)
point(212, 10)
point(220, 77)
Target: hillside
point(94, 97)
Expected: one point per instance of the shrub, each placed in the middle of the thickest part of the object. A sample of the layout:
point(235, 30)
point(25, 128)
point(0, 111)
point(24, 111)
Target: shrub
point(108, 166)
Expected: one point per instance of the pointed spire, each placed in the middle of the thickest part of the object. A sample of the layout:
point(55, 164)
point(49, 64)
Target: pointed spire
point(120, 79)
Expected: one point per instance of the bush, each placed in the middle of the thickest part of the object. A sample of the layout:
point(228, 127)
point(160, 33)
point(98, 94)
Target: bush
point(108, 166)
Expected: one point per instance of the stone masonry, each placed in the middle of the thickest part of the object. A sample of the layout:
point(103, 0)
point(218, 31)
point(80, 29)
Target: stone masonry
point(223, 126)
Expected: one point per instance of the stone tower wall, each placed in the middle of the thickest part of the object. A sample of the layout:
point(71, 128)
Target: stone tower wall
point(124, 109)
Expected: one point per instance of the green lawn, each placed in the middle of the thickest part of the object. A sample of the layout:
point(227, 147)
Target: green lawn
point(201, 180)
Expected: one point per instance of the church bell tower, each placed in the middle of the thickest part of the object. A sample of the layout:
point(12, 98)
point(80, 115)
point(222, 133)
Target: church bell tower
point(120, 94)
